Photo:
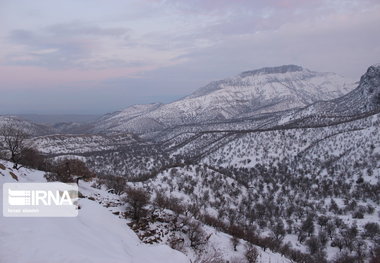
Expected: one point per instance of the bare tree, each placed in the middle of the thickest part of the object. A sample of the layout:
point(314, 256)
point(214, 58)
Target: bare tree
point(344, 257)
point(338, 242)
point(32, 158)
point(137, 199)
point(330, 228)
point(372, 230)
point(252, 254)
point(279, 230)
point(116, 184)
point(313, 244)
point(196, 234)
point(14, 142)
point(210, 257)
point(308, 225)
point(360, 247)
point(69, 171)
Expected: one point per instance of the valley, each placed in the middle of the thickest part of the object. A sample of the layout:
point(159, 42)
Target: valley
point(284, 159)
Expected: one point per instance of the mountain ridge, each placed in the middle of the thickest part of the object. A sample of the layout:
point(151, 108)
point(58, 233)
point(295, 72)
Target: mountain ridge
point(264, 90)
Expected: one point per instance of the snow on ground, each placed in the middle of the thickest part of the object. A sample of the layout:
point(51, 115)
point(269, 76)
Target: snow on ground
point(169, 183)
point(221, 242)
point(96, 235)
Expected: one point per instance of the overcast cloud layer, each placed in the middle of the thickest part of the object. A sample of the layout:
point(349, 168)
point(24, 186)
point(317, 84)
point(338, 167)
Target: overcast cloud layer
point(96, 56)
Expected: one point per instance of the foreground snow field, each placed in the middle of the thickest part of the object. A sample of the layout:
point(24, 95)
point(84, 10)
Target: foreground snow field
point(96, 235)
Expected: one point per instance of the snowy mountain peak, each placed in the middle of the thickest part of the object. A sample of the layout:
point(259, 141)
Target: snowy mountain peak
point(272, 70)
point(265, 90)
point(362, 100)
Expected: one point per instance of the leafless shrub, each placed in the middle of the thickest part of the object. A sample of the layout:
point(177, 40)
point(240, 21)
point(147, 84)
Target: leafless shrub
point(13, 139)
point(136, 200)
point(68, 171)
point(252, 254)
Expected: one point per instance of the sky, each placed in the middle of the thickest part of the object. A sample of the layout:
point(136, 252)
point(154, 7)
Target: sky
point(98, 56)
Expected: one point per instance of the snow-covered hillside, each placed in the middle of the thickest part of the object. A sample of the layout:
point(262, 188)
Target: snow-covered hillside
point(362, 100)
point(28, 127)
point(248, 94)
point(79, 144)
point(96, 235)
point(301, 183)
point(116, 154)
point(99, 234)
point(115, 120)
point(273, 181)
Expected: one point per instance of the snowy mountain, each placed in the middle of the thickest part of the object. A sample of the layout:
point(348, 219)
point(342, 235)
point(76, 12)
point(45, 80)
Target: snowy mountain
point(297, 178)
point(251, 93)
point(363, 100)
point(320, 163)
point(357, 105)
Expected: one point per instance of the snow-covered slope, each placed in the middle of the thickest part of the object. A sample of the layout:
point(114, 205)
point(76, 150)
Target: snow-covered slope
point(96, 235)
point(325, 162)
point(28, 127)
point(250, 93)
point(116, 119)
point(359, 103)
point(355, 113)
point(364, 99)
point(116, 154)
point(79, 144)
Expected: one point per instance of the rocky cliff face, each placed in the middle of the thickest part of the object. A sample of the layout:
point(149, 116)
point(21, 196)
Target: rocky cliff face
point(370, 87)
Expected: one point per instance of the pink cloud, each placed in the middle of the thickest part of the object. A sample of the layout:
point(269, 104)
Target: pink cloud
point(12, 77)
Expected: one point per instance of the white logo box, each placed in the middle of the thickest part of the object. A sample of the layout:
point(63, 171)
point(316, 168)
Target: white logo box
point(40, 200)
